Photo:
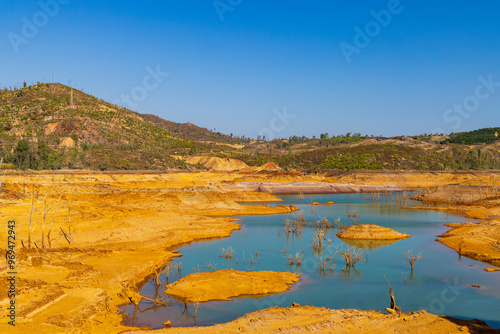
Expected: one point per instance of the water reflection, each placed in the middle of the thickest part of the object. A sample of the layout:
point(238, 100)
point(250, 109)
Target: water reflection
point(369, 244)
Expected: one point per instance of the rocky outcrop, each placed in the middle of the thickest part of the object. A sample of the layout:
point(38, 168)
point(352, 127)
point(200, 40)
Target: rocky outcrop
point(217, 164)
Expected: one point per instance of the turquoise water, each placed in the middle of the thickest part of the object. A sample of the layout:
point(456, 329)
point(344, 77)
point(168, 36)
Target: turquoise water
point(441, 282)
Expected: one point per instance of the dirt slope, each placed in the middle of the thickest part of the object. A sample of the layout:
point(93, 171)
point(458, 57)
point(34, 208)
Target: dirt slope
point(217, 164)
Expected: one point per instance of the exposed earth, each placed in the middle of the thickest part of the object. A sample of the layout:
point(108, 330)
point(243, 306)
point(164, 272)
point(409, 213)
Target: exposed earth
point(310, 319)
point(114, 231)
point(371, 232)
point(228, 283)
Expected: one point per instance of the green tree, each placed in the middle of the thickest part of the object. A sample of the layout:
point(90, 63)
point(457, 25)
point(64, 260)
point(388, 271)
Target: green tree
point(472, 161)
point(23, 154)
point(43, 153)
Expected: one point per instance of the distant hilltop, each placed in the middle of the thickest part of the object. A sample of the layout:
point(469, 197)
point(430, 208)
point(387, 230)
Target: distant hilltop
point(53, 126)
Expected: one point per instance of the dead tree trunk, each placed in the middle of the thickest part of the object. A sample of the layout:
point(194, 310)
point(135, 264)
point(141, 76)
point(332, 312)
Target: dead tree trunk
point(31, 216)
point(394, 309)
point(52, 224)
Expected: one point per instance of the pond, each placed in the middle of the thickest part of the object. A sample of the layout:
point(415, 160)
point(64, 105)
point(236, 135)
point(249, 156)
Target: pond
point(441, 282)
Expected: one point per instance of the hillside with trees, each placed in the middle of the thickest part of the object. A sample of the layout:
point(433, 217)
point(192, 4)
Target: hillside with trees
point(53, 126)
point(481, 136)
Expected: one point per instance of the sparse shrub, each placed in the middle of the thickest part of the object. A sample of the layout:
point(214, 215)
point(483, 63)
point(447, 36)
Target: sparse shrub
point(318, 241)
point(351, 161)
point(412, 258)
point(323, 224)
point(295, 259)
point(227, 253)
point(326, 265)
point(351, 256)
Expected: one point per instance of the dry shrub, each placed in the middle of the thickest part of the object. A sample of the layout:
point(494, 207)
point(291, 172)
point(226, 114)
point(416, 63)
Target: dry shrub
point(351, 256)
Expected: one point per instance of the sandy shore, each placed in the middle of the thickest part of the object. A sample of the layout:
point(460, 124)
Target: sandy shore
point(309, 319)
point(113, 231)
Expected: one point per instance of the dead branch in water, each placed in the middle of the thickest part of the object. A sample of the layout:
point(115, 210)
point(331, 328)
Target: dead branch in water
point(323, 224)
point(170, 266)
point(196, 305)
point(136, 298)
point(326, 265)
point(295, 259)
point(394, 309)
point(412, 258)
point(351, 256)
point(317, 244)
point(227, 253)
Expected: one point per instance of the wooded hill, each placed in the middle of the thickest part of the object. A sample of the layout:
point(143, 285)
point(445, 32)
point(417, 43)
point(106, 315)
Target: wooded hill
point(53, 126)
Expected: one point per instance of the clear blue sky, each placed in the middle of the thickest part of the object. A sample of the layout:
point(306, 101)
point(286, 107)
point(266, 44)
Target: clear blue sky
point(231, 74)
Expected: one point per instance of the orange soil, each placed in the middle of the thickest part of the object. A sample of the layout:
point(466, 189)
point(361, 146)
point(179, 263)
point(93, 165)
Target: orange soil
point(123, 228)
point(309, 319)
point(371, 232)
point(480, 241)
point(228, 283)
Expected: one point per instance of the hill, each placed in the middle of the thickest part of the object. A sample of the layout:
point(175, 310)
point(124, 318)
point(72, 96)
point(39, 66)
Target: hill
point(423, 152)
point(188, 130)
point(57, 125)
point(481, 136)
point(51, 126)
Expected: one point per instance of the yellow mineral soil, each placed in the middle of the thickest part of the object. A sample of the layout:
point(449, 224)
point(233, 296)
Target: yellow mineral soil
point(309, 319)
point(113, 231)
point(217, 164)
point(228, 283)
point(416, 179)
point(479, 241)
point(371, 232)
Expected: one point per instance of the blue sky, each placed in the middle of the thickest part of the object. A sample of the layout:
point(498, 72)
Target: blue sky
point(233, 64)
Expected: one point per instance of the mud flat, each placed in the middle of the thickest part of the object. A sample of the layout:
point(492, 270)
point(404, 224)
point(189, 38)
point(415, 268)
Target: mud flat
point(322, 320)
point(307, 188)
point(228, 283)
point(479, 241)
point(371, 232)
